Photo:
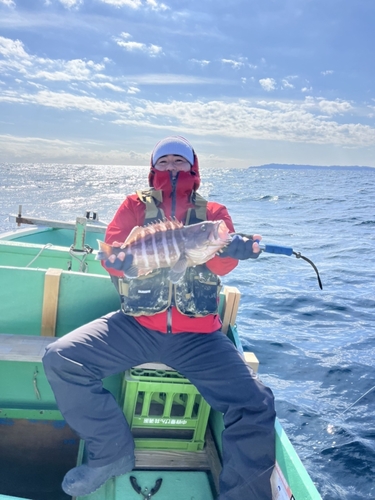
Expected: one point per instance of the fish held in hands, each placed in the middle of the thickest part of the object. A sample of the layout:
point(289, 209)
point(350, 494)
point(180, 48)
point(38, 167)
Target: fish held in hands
point(169, 244)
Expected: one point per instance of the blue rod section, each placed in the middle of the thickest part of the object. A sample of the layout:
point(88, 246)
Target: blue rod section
point(277, 249)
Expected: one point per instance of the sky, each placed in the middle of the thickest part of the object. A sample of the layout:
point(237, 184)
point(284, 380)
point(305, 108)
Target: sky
point(246, 82)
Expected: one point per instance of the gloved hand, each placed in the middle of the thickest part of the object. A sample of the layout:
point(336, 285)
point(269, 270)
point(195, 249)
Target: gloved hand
point(119, 261)
point(242, 248)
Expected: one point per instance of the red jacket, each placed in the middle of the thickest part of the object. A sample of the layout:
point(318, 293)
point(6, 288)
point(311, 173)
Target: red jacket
point(132, 213)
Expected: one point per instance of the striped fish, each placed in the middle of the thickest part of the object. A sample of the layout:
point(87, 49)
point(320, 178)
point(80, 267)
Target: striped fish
point(169, 244)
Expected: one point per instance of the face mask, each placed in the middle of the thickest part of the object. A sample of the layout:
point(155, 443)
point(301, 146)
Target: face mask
point(163, 181)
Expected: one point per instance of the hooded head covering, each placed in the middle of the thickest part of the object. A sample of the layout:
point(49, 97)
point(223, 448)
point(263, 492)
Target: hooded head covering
point(175, 145)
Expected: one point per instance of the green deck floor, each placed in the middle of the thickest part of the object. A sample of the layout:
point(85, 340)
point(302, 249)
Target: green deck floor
point(175, 485)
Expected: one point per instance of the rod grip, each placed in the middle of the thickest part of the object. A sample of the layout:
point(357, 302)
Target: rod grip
point(277, 249)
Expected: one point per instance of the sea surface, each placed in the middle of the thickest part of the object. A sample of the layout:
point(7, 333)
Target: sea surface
point(316, 347)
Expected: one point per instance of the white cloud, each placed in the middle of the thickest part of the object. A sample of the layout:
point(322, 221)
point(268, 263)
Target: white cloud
point(296, 122)
point(134, 4)
point(18, 63)
point(76, 69)
point(106, 85)
point(37, 149)
point(130, 46)
point(334, 107)
point(201, 62)
point(286, 84)
point(156, 6)
point(12, 48)
point(328, 72)
point(33, 67)
point(30, 67)
point(268, 84)
point(151, 49)
point(8, 3)
point(276, 120)
point(64, 100)
point(71, 3)
point(306, 89)
point(133, 90)
point(125, 35)
point(37, 85)
point(233, 63)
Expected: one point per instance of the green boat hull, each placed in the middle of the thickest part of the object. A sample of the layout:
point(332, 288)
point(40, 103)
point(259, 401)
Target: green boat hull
point(36, 445)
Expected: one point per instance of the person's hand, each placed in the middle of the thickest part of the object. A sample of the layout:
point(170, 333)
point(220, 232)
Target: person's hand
point(242, 248)
point(119, 260)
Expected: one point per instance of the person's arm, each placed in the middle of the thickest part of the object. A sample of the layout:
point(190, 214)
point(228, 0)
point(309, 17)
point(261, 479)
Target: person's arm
point(126, 218)
point(220, 265)
point(240, 248)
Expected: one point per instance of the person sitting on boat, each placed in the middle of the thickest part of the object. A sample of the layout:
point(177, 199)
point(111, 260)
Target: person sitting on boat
point(151, 328)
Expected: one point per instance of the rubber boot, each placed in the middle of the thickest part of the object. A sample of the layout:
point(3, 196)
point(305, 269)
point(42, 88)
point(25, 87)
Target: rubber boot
point(83, 480)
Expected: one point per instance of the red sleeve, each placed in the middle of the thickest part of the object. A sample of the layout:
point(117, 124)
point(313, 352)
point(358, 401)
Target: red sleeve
point(220, 265)
point(129, 215)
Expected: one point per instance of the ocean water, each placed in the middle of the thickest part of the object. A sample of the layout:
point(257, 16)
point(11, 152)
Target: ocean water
point(316, 347)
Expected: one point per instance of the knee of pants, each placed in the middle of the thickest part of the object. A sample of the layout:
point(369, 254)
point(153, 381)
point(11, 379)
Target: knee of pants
point(259, 394)
point(47, 359)
point(267, 395)
point(53, 362)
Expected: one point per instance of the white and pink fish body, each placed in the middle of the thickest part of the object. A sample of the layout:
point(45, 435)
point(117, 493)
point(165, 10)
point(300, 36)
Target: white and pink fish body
point(170, 244)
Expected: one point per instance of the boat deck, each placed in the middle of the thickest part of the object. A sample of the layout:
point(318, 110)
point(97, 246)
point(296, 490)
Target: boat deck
point(30, 349)
point(36, 445)
point(174, 485)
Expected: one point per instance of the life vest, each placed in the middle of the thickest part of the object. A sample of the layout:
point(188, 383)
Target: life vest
point(197, 292)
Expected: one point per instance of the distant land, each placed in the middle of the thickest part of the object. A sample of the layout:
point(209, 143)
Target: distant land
point(311, 167)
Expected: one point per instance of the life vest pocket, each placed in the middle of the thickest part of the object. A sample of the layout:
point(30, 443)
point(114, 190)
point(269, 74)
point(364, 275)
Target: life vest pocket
point(198, 293)
point(145, 295)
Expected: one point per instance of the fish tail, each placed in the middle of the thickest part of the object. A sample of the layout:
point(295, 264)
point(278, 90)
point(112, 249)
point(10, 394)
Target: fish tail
point(105, 250)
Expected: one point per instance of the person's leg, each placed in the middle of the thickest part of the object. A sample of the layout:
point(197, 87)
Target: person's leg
point(75, 365)
point(215, 367)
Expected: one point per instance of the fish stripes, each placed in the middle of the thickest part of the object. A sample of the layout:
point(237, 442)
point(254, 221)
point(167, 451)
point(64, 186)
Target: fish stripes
point(170, 244)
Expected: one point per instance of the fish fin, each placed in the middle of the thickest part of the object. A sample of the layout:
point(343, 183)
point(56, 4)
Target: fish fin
point(153, 227)
point(105, 250)
point(178, 270)
point(132, 236)
point(132, 272)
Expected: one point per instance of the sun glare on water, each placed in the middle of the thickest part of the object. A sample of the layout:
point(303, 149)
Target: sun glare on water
point(331, 429)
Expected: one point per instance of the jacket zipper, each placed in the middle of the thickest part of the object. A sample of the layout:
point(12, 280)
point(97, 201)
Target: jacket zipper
point(173, 195)
point(173, 212)
point(169, 319)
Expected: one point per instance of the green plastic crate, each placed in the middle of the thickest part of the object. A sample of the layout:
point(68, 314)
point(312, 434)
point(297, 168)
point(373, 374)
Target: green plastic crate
point(164, 410)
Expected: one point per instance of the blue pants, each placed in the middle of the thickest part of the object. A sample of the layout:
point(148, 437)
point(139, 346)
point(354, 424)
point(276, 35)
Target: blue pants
point(76, 364)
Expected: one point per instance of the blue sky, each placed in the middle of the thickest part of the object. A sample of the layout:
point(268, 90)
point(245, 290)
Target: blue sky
point(247, 82)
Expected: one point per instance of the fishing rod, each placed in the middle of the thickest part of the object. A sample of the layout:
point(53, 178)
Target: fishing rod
point(281, 250)
point(355, 402)
point(331, 428)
